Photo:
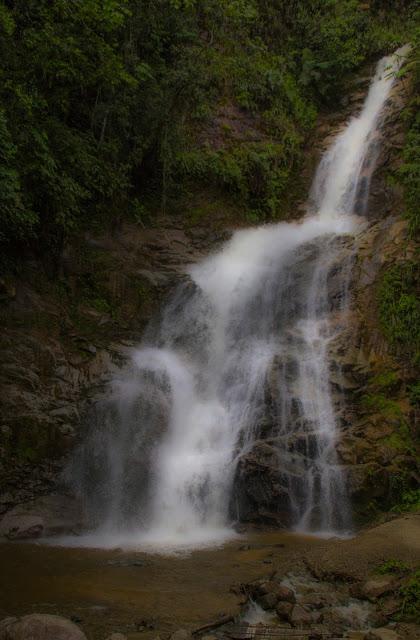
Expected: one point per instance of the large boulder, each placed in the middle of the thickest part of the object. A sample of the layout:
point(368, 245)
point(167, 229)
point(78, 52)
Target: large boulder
point(261, 485)
point(378, 587)
point(47, 516)
point(40, 626)
point(284, 610)
point(300, 617)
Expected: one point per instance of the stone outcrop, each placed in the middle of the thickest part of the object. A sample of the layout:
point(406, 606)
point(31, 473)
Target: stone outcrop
point(376, 443)
point(61, 340)
point(331, 607)
point(45, 516)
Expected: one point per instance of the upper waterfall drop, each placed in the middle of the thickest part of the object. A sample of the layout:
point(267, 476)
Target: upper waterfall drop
point(341, 184)
point(244, 343)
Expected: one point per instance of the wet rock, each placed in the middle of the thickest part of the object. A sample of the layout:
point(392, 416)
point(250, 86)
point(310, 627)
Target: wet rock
point(268, 601)
point(261, 492)
point(66, 413)
point(261, 587)
point(373, 589)
point(319, 632)
point(390, 605)
point(300, 617)
point(145, 625)
point(284, 593)
point(4, 624)
point(48, 515)
point(40, 626)
point(268, 592)
point(20, 526)
point(284, 610)
point(155, 278)
point(314, 601)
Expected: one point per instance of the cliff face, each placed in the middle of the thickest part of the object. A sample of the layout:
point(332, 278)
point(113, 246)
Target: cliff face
point(378, 437)
point(379, 428)
point(61, 340)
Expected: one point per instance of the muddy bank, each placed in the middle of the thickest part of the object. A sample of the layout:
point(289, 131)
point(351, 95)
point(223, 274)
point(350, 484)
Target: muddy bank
point(145, 595)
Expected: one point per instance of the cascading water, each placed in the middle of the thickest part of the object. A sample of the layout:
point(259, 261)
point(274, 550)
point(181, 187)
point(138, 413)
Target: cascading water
point(160, 462)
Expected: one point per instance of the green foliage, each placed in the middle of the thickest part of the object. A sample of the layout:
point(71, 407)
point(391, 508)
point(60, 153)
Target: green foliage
point(103, 103)
point(410, 593)
point(409, 501)
point(386, 380)
point(414, 393)
point(389, 408)
point(15, 219)
point(401, 439)
point(399, 307)
point(392, 566)
point(409, 172)
point(256, 173)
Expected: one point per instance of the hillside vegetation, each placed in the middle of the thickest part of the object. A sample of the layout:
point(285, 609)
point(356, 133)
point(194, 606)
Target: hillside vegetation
point(113, 109)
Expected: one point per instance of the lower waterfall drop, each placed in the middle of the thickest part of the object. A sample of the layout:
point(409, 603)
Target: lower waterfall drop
point(241, 349)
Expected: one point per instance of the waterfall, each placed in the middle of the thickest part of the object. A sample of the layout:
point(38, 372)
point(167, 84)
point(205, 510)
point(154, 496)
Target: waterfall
point(243, 343)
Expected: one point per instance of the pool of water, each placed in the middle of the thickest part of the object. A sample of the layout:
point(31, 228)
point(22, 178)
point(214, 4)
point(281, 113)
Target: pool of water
point(137, 593)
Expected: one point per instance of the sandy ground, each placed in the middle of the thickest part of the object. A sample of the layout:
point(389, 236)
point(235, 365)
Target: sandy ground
point(124, 591)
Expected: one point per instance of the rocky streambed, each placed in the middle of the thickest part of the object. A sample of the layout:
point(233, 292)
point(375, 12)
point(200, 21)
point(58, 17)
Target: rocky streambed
point(336, 588)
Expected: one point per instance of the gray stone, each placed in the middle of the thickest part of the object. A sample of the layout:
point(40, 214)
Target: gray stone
point(68, 412)
point(39, 626)
point(46, 516)
point(16, 526)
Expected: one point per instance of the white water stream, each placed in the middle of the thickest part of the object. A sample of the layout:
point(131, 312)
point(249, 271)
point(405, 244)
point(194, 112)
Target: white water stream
point(159, 465)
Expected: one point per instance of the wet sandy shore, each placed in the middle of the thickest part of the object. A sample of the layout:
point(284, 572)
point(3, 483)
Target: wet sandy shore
point(126, 591)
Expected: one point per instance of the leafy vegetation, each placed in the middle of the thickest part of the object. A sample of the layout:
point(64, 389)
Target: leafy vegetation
point(410, 501)
point(410, 593)
point(392, 566)
point(399, 307)
point(107, 107)
point(409, 172)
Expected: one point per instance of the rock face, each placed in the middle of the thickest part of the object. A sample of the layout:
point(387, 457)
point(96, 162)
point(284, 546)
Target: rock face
point(59, 344)
point(46, 516)
point(39, 626)
point(61, 340)
point(376, 443)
